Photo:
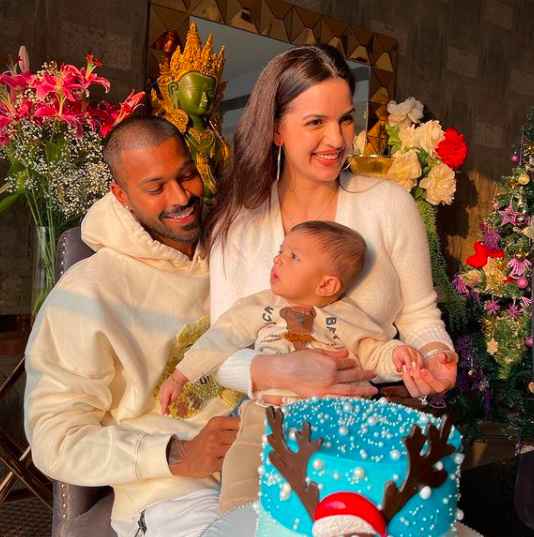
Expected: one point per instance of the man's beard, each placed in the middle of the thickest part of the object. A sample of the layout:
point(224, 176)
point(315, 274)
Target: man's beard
point(189, 233)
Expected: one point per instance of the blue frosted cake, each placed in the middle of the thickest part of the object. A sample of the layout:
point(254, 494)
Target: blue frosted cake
point(352, 467)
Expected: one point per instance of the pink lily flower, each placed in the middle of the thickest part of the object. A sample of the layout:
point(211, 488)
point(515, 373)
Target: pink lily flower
point(64, 84)
point(23, 60)
point(129, 105)
point(14, 80)
point(4, 122)
point(50, 111)
point(24, 109)
point(90, 78)
point(126, 108)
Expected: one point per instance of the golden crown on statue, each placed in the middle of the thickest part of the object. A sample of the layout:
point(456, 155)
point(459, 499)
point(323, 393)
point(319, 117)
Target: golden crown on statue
point(193, 58)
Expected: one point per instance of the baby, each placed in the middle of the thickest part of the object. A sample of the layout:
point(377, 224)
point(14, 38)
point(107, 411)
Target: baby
point(317, 263)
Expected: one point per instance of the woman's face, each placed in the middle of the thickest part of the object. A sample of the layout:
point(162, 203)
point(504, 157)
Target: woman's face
point(317, 131)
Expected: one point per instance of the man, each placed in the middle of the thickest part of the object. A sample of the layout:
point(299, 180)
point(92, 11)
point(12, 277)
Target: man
point(102, 339)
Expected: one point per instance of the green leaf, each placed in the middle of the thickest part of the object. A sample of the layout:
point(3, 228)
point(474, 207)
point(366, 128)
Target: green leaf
point(393, 137)
point(52, 151)
point(15, 167)
point(419, 194)
point(9, 200)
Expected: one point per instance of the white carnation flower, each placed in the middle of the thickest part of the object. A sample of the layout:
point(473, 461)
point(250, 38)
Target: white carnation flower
point(405, 113)
point(408, 137)
point(405, 169)
point(440, 185)
point(429, 135)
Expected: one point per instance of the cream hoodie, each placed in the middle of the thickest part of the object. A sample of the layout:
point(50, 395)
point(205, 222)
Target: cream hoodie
point(96, 351)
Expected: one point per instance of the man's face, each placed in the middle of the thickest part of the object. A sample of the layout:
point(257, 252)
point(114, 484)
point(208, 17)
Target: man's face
point(162, 188)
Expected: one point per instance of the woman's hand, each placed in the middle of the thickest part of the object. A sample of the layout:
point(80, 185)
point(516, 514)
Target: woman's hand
point(312, 372)
point(436, 375)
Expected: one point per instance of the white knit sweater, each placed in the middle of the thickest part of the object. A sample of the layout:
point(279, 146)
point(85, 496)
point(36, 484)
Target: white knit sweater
point(395, 288)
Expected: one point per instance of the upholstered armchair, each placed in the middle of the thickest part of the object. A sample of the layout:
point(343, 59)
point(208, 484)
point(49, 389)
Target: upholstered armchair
point(79, 511)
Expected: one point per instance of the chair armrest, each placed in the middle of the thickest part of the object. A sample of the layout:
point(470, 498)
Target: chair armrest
point(72, 502)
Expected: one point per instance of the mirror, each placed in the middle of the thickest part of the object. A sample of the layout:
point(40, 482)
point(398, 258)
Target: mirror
point(246, 55)
point(254, 31)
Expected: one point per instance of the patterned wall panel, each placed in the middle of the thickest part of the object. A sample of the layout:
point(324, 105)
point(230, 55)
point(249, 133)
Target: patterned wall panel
point(294, 24)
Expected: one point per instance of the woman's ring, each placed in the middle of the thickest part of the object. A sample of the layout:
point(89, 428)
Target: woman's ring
point(423, 399)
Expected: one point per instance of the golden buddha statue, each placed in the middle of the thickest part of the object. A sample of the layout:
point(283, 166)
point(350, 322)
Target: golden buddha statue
point(190, 89)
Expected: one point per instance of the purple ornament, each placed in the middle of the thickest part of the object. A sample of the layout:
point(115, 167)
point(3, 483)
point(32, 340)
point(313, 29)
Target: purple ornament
point(492, 307)
point(529, 341)
point(522, 283)
point(515, 158)
point(509, 215)
point(492, 239)
point(519, 267)
point(460, 285)
point(514, 311)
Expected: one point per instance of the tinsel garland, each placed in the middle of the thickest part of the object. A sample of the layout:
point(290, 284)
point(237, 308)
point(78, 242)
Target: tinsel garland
point(505, 340)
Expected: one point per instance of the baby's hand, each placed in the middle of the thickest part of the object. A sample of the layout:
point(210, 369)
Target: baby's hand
point(406, 359)
point(170, 390)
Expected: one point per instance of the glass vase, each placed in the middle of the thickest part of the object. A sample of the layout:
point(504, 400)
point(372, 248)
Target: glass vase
point(44, 265)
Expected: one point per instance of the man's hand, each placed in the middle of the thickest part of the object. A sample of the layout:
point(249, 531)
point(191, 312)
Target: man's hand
point(204, 454)
point(312, 372)
point(170, 390)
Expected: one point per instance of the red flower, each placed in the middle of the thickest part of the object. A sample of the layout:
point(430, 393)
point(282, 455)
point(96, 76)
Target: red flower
point(24, 109)
point(117, 114)
point(452, 150)
point(480, 258)
point(4, 121)
point(54, 111)
point(92, 60)
point(86, 76)
point(64, 84)
point(15, 80)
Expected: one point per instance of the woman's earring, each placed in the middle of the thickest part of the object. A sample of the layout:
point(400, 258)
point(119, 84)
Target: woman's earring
point(279, 162)
point(350, 156)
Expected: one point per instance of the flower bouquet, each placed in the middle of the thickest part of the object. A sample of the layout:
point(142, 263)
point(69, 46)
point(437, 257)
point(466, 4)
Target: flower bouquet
point(51, 136)
point(422, 159)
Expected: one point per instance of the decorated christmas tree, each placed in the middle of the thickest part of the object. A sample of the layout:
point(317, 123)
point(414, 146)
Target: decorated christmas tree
point(496, 363)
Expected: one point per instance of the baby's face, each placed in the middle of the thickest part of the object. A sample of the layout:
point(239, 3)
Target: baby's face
point(298, 268)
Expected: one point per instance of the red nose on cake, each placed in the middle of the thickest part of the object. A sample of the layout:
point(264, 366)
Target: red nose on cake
point(346, 513)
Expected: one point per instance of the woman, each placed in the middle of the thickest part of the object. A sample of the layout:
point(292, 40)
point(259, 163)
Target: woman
point(290, 150)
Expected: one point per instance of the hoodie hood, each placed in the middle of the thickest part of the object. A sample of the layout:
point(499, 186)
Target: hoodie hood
point(110, 225)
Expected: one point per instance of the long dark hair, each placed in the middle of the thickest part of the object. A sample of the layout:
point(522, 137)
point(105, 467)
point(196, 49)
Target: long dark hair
point(247, 183)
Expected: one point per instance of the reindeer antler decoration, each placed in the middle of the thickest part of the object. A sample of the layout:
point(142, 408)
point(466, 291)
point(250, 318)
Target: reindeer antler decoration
point(292, 465)
point(421, 470)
